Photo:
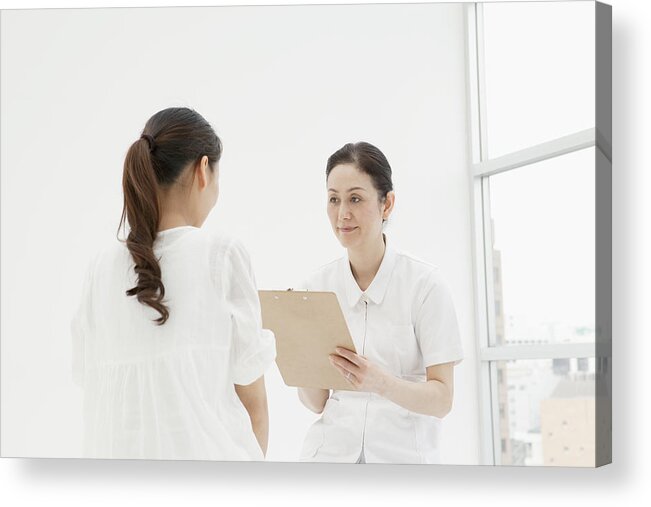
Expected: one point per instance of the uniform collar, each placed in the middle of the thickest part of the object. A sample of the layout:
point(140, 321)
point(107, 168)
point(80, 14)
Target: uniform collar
point(378, 287)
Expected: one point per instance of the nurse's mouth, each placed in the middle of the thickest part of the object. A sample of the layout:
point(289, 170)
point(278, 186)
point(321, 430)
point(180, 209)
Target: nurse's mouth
point(346, 230)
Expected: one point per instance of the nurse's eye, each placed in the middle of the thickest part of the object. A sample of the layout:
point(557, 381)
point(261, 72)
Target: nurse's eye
point(355, 199)
point(333, 200)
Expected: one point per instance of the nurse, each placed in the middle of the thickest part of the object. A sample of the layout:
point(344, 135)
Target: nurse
point(167, 340)
point(402, 321)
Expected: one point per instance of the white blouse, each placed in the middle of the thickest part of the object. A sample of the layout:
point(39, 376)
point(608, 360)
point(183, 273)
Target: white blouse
point(405, 321)
point(167, 392)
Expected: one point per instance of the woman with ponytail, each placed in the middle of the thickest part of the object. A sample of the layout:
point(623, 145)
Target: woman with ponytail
point(167, 340)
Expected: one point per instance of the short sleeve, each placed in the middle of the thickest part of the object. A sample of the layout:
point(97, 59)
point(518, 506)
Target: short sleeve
point(437, 329)
point(80, 328)
point(253, 349)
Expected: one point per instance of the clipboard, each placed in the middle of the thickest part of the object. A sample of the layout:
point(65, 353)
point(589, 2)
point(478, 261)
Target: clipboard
point(308, 326)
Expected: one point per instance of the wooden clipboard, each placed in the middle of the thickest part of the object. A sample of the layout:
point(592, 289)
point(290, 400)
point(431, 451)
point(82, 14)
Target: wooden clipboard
point(308, 326)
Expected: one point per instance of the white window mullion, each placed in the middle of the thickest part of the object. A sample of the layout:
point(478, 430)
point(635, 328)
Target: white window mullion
point(481, 82)
point(496, 437)
point(534, 351)
point(538, 153)
point(475, 102)
point(477, 124)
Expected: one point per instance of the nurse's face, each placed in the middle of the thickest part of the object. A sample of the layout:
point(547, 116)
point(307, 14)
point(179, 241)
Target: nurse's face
point(354, 208)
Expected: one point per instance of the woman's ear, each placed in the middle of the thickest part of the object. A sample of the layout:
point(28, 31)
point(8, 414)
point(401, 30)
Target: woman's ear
point(387, 205)
point(201, 173)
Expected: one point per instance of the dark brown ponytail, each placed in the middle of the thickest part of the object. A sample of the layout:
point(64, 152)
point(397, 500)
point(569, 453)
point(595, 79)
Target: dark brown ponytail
point(172, 139)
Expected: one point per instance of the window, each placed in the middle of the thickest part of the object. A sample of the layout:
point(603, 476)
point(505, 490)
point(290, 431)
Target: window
point(553, 420)
point(539, 66)
point(533, 180)
point(543, 225)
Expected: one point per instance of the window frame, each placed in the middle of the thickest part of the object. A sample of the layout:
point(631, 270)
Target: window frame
point(481, 168)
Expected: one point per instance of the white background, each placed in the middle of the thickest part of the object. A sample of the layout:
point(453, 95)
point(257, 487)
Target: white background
point(285, 89)
point(74, 482)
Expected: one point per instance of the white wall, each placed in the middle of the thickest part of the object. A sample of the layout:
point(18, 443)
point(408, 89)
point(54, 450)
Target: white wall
point(284, 87)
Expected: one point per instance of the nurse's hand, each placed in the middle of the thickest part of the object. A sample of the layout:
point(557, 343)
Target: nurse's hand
point(361, 373)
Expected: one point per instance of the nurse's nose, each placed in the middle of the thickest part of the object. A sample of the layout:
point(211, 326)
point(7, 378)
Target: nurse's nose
point(344, 212)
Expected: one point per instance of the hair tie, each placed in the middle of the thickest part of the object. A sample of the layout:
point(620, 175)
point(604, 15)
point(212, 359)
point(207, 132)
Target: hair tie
point(150, 141)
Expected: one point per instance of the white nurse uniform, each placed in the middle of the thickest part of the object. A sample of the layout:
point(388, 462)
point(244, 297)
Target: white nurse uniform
point(405, 321)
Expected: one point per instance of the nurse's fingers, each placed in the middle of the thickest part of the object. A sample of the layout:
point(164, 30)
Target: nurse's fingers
point(350, 355)
point(344, 363)
point(349, 376)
